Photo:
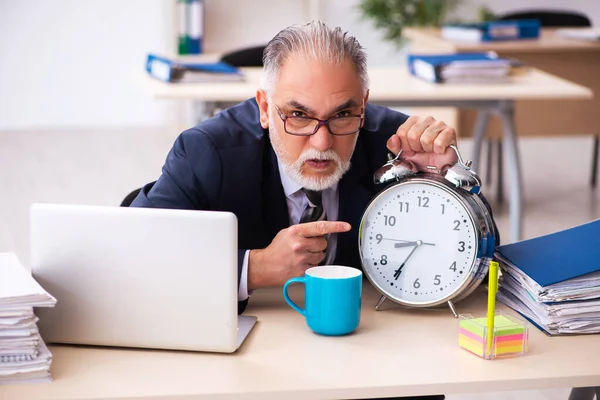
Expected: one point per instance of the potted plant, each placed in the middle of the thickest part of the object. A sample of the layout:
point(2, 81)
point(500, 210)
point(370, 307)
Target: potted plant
point(391, 16)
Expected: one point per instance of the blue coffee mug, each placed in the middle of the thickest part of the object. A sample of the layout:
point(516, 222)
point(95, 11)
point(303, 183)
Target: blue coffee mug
point(332, 299)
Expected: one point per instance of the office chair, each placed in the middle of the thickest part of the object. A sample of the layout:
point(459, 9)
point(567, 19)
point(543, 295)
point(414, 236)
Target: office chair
point(248, 57)
point(548, 19)
point(131, 196)
point(551, 18)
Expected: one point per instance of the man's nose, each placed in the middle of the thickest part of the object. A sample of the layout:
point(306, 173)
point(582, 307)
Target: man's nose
point(322, 139)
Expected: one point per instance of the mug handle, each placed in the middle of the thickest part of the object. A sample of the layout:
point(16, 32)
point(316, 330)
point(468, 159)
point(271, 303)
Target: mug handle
point(301, 279)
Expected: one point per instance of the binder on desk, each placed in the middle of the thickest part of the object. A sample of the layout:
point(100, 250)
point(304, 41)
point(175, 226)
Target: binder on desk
point(554, 280)
point(168, 70)
point(483, 67)
point(493, 31)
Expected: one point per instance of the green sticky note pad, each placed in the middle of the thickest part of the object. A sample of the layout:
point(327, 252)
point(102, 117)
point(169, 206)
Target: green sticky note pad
point(502, 325)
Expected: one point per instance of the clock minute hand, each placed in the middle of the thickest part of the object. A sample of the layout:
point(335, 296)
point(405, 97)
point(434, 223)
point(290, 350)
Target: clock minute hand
point(399, 270)
point(407, 243)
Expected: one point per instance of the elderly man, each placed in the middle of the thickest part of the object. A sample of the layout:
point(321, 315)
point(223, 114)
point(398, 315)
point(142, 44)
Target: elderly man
point(295, 163)
point(308, 138)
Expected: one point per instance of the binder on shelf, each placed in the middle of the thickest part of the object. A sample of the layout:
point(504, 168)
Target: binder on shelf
point(195, 26)
point(483, 67)
point(554, 280)
point(492, 31)
point(167, 70)
point(182, 45)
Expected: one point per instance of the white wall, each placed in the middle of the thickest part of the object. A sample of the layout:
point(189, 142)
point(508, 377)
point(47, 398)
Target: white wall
point(72, 64)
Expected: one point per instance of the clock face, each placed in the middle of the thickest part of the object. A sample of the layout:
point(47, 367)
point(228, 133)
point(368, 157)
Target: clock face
point(418, 243)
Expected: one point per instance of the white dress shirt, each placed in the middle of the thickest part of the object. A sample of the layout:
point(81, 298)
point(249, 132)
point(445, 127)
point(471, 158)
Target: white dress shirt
point(296, 203)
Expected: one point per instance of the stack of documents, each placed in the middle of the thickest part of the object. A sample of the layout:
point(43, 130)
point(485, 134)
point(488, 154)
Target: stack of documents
point(554, 280)
point(23, 354)
point(591, 34)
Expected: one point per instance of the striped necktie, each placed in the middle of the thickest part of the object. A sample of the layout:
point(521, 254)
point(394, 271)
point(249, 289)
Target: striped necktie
point(314, 211)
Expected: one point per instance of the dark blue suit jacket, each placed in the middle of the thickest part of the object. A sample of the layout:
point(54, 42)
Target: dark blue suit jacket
point(227, 163)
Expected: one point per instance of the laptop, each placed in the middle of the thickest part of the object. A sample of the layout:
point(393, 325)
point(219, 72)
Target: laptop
point(138, 277)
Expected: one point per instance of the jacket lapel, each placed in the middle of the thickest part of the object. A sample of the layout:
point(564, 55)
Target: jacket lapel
point(355, 192)
point(275, 212)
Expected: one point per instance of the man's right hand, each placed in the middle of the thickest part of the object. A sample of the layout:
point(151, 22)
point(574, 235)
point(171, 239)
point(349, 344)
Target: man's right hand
point(292, 251)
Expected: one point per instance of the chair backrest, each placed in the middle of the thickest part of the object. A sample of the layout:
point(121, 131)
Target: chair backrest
point(551, 18)
point(249, 57)
point(126, 202)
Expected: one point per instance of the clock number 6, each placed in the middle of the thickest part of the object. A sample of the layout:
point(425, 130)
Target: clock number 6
point(416, 284)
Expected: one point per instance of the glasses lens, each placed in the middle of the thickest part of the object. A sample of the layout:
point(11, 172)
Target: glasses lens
point(300, 126)
point(344, 125)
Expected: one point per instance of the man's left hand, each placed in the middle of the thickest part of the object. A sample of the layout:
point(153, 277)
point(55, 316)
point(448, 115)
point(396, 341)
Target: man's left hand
point(425, 141)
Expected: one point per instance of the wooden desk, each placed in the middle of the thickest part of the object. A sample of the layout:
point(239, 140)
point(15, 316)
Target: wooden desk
point(575, 60)
point(394, 352)
point(395, 87)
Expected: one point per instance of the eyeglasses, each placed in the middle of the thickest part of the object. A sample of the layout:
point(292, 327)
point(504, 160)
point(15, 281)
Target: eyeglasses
point(307, 126)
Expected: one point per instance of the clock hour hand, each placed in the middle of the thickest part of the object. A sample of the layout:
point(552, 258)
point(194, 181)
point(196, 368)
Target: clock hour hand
point(399, 270)
point(405, 244)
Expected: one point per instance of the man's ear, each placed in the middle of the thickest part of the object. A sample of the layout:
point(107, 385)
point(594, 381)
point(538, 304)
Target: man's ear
point(365, 100)
point(263, 108)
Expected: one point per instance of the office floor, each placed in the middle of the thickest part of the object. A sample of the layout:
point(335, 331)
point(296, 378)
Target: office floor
point(101, 167)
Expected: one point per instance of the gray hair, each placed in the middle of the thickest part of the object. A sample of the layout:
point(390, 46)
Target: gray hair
point(312, 40)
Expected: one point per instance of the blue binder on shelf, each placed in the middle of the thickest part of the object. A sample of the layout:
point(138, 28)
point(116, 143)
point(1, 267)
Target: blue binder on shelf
point(168, 70)
point(493, 31)
point(195, 26)
point(557, 257)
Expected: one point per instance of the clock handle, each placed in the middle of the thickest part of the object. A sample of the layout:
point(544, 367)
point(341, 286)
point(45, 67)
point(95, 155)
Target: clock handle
point(461, 175)
point(467, 164)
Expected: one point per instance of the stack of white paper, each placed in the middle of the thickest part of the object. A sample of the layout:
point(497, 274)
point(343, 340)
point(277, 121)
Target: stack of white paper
point(23, 354)
point(592, 34)
point(554, 279)
point(557, 316)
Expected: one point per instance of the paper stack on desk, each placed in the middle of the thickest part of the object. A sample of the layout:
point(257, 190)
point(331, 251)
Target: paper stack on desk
point(23, 355)
point(554, 280)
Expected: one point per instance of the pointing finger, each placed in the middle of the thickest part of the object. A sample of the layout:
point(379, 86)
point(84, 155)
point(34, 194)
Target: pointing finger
point(320, 228)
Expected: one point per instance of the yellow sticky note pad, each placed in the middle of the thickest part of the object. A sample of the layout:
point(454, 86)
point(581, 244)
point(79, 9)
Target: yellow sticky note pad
point(509, 336)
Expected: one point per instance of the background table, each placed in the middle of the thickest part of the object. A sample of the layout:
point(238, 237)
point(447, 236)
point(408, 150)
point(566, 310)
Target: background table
point(575, 60)
point(395, 87)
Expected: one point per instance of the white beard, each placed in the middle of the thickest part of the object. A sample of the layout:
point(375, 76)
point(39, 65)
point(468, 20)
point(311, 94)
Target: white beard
point(294, 168)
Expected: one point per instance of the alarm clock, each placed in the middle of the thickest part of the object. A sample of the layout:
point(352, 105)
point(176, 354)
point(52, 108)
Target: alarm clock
point(426, 239)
